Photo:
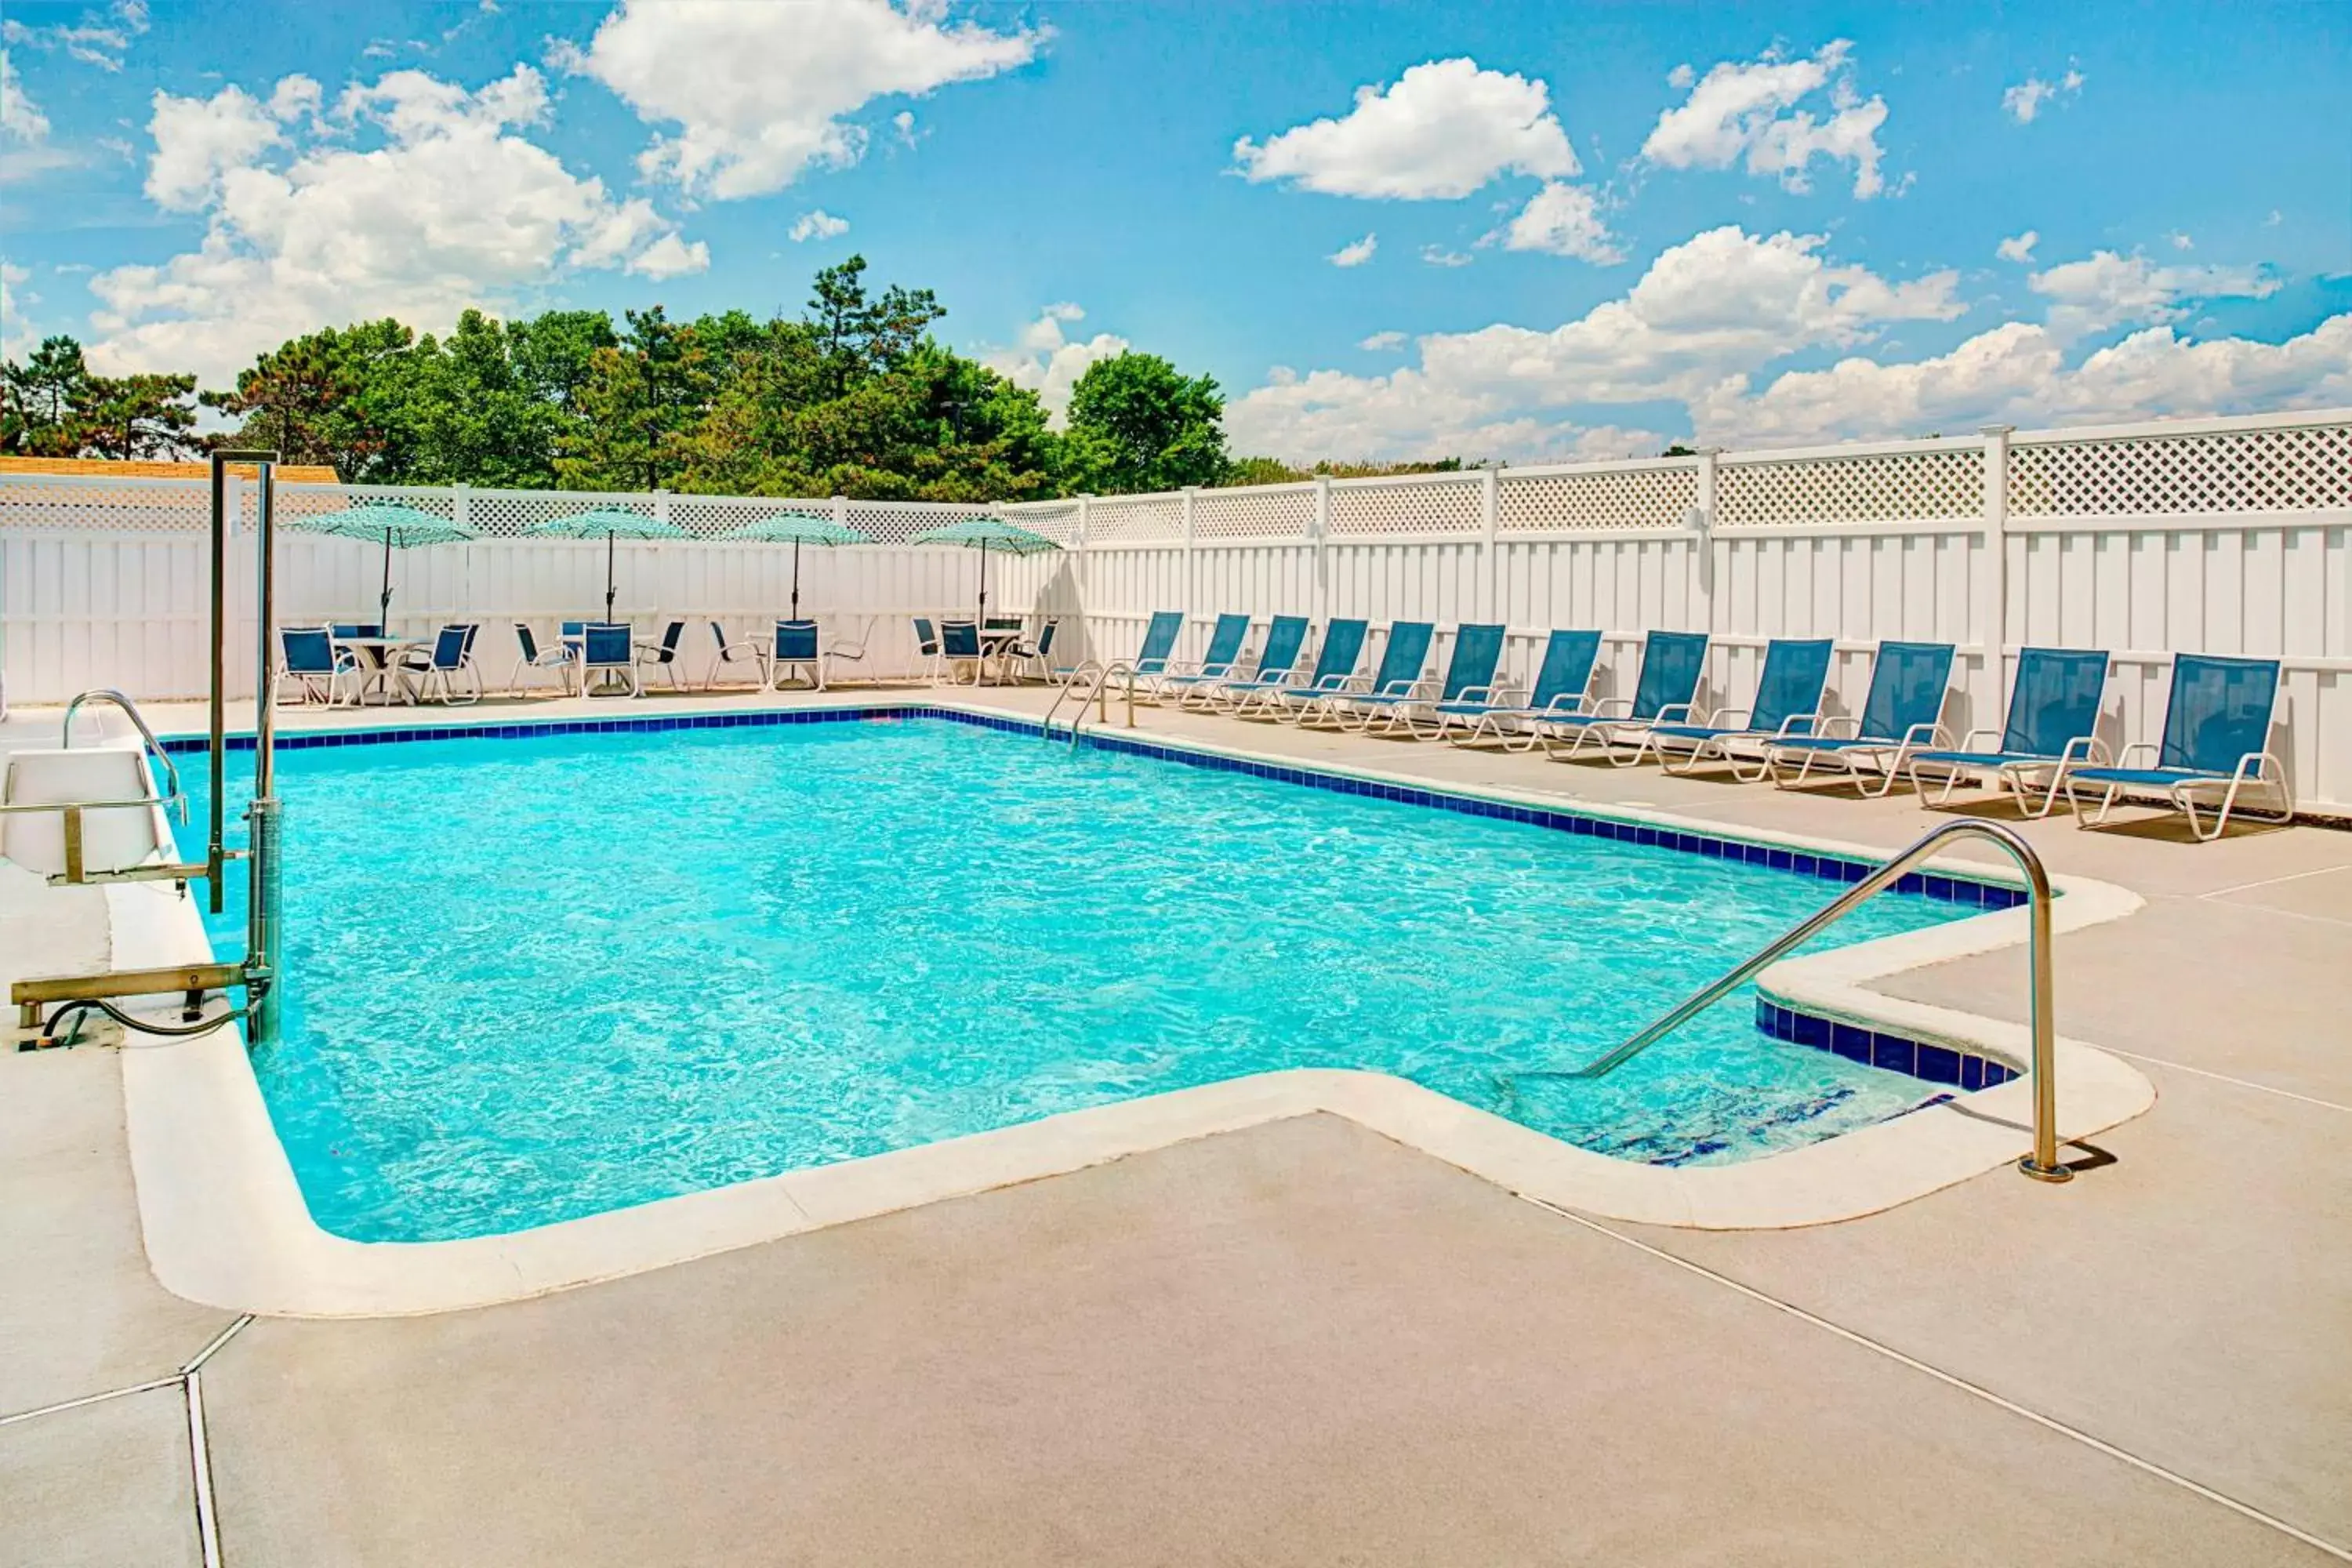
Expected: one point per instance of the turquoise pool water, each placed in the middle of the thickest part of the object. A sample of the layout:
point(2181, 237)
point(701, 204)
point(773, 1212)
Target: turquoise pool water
point(539, 978)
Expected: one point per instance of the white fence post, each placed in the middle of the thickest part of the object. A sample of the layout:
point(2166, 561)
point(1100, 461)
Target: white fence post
point(841, 510)
point(1993, 615)
point(1702, 521)
point(1191, 579)
point(1490, 523)
point(1322, 534)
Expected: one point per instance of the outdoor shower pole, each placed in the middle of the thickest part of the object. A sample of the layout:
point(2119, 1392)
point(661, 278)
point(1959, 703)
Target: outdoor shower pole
point(215, 860)
point(262, 941)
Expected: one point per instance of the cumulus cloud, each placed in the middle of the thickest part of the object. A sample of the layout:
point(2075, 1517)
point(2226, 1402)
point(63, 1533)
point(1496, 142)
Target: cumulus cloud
point(1440, 131)
point(1563, 220)
point(761, 93)
point(2104, 289)
point(1356, 252)
point(16, 334)
point(1048, 361)
point(1440, 255)
point(1382, 343)
point(455, 207)
point(2024, 101)
point(1750, 110)
point(100, 37)
point(817, 224)
point(21, 119)
point(2018, 248)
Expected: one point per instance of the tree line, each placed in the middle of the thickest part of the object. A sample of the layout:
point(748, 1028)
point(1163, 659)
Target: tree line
point(854, 397)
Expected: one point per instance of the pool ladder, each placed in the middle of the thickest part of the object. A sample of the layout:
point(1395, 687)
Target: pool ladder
point(1090, 682)
point(2041, 1164)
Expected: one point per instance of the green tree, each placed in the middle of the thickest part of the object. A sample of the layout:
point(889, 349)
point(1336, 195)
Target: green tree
point(39, 399)
point(138, 417)
point(860, 337)
point(1136, 423)
point(326, 398)
point(642, 400)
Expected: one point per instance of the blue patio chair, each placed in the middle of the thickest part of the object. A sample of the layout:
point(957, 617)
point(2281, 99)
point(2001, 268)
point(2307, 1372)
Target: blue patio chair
point(734, 651)
point(797, 645)
point(960, 643)
point(2052, 727)
point(1404, 654)
point(1277, 662)
point(1562, 685)
point(663, 655)
point(1671, 663)
point(2216, 732)
point(1788, 702)
point(1335, 667)
point(1222, 659)
point(1902, 713)
point(1159, 644)
point(608, 653)
point(929, 648)
point(357, 629)
point(451, 656)
point(1035, 655)
point(1469, 678)
point(310, 658)
point(559, 658)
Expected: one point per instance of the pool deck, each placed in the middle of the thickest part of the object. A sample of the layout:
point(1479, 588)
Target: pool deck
point(1302, 1342)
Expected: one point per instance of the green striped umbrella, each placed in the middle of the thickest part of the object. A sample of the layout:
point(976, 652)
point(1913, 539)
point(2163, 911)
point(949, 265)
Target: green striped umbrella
point(796, 529)
point(984, 534)
point(396, 525)
point(614, 522)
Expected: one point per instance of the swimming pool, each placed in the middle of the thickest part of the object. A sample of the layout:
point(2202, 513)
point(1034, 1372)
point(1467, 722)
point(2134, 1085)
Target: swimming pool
point(542, 976)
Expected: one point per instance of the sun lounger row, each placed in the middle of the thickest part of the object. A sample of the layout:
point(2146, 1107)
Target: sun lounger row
point(2214, 752)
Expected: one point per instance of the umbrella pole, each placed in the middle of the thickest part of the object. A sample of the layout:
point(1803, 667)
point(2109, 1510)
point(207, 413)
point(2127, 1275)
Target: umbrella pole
point(384, 600)
point(608, 577)
point(796, 579)
point(984, 585)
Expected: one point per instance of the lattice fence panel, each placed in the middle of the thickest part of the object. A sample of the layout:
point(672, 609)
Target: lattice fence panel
point(1057, 520)
point(124, 506)
point(1266, 511)
point(1448, 506)
point(1879, 486)
point(2233, 470)
point(512, 514)
point(1600, 501)
point(1125, 519)
point(897, 522)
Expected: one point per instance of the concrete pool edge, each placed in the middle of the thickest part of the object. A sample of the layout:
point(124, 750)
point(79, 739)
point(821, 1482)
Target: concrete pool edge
point(226, 1223)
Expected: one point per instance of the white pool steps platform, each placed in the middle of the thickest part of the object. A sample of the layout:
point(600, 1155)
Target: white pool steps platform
point(114, 839)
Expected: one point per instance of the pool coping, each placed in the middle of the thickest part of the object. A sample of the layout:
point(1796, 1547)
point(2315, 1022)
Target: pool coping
point(226, 1223)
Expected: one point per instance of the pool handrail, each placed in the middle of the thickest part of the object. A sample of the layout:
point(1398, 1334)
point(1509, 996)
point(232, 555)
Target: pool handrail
point(1090, 682)
point(2041, 1164)
point(173, 793)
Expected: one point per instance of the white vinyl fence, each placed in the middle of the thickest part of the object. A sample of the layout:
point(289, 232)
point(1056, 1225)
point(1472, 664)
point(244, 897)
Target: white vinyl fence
point(2229, 536)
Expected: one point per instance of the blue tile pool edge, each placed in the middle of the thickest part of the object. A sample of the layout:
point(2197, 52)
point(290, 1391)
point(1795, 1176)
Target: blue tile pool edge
point(1932, 1061)
point(1971, 891)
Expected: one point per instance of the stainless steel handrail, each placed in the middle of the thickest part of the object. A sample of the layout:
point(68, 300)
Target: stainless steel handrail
point(1089, 667)
point(172, 792)
point(1096, 691)
point(2043, 1162)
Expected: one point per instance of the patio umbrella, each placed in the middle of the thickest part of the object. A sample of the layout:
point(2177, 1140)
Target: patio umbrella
point(984, 534)
point(613, 522)
point(395, 525)
point(796, 528)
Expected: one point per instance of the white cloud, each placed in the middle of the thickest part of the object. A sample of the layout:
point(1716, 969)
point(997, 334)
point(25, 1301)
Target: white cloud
point(100, 38)
point(2018, 248)
point(16, 334)
point(454, 208)
point(1356, 252)
point(1563, 220)
point(2276, 218)
point(2104, 289)
point(1439, 255)
point(1382, 343)
point(2025, 99)
point(1749, 109)
point(903, 122)
point(1442, 130)
point(21, 119)
point(1723, 303)
point(816, 223)
point(2180, 241)
point(760, 93)
point(1047, 362)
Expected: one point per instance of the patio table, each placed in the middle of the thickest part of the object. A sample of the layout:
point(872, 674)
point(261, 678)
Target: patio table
point(383, 672)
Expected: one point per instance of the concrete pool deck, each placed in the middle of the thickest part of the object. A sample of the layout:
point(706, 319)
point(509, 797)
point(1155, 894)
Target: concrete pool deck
point(1300, 1343)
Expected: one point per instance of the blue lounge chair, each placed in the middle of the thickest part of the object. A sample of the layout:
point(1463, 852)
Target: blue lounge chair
point(1469, 678)
point(1563, 681)
point(310, 657)
point(1222, 659)
point(1335, 667)
point(1277, 662)
point(608, 649)
point(559, 658)
point(2054, 720)
point(1159, 645)
point(1403, 655)
point(1671, 663)
point(796, 647)
point(1788, 702)
point(1902, 713)
point(452, 656)
point(2216, 732)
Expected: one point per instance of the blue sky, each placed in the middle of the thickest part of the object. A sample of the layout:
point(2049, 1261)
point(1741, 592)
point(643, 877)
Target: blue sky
point(1509, 230)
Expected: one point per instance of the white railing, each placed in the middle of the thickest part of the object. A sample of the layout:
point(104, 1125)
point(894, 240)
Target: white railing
point(2218, 535)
